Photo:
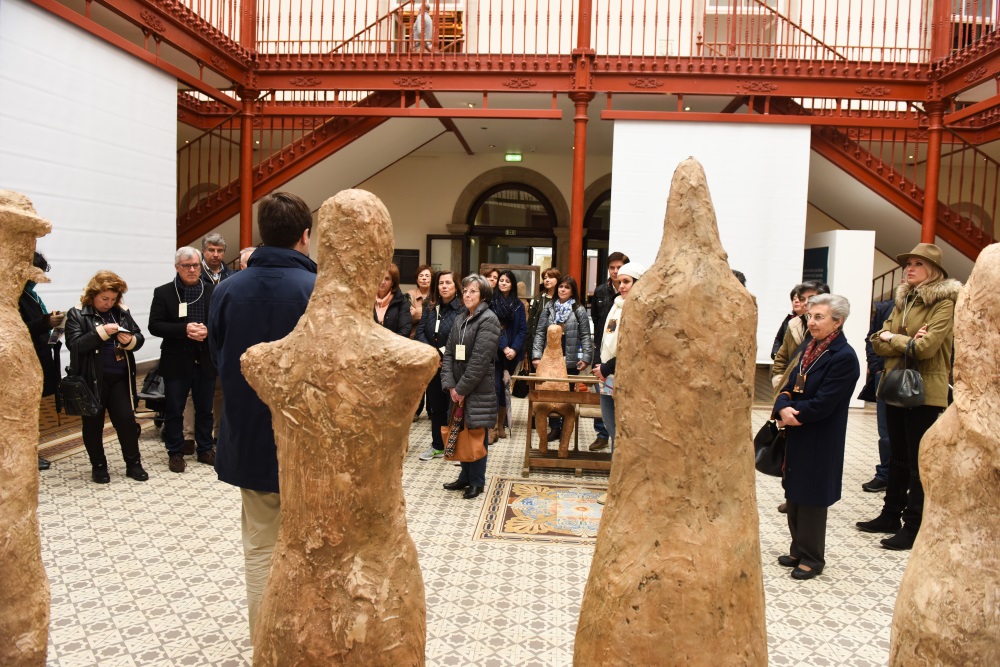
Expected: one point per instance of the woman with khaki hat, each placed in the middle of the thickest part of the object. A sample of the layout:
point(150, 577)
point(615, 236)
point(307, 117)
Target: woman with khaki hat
point(924, 315)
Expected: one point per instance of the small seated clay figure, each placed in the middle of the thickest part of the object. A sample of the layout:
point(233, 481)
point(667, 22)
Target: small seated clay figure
point(24, 594)
point(553, 365)
point(345, 587)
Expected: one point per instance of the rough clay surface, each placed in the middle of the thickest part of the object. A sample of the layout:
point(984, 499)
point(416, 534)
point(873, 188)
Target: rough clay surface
point(948, 606)
point(553, 365)
point(24, 588)
point(345, 587)
point(676, 576)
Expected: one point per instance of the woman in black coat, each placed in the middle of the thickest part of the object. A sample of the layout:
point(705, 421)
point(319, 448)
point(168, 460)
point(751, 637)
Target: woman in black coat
point(435, 326)
point(392, 307)
point(467, 373)
point(101, 336)
point(812, 407)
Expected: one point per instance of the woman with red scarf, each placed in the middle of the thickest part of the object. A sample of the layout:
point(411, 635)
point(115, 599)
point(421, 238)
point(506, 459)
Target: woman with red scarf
point(812, 407)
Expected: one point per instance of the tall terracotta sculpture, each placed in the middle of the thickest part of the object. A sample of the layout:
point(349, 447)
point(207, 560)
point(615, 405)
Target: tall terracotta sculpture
point(676, 576)
point(24, 593)
point(345, 587)
point(553, 365)
point(948, 606)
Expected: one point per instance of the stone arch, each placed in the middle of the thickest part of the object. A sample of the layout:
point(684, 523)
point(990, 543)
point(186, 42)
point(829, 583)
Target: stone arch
point(500, 175)
point(595, 190)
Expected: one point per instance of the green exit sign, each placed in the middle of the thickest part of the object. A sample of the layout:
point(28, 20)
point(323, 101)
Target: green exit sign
point(512, 157)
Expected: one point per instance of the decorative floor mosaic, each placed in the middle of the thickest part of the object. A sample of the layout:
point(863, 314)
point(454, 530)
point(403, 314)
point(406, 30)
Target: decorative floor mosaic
point(520, 510)
point(151, 574)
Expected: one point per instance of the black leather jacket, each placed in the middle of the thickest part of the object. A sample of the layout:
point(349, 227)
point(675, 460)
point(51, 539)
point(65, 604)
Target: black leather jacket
point(84, 343)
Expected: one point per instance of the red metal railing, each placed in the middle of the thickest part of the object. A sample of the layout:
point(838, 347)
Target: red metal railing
point(842, 31)
point(223, 15)
point(968, 188)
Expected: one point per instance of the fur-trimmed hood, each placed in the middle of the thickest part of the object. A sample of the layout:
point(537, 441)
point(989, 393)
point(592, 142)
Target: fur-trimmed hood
point(930, 294)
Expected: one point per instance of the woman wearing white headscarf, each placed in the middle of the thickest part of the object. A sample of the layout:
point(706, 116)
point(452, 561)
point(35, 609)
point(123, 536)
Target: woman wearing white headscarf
point(605, 371)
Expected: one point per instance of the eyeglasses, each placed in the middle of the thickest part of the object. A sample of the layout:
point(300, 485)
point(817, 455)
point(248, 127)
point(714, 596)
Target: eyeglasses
point(471, 290)
point(189, 267)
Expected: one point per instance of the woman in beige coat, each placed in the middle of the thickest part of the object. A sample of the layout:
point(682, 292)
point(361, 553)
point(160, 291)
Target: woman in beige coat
point(924, 314)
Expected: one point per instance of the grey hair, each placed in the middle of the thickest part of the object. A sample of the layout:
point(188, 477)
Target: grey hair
point(485, 291)
point(214, 239)
point(839, 306)
point(184, 253)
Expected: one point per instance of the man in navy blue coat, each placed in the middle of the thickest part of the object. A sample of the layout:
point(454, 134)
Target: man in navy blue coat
point(260, 304)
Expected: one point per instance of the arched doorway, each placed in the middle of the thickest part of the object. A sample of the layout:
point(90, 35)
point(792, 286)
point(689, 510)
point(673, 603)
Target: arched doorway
point(511, 223)
point(597, 227)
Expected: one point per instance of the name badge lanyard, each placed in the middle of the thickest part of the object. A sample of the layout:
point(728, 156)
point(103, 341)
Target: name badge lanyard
point(800, 381)
point(460, 349)
point(182, 306)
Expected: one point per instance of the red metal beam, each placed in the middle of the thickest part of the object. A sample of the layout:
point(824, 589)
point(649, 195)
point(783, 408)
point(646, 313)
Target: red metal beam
point(988, 104)
point(969, 67)
point(448, 124)
point(422, 112)
point(766, 119)
point(117, 40)
point(178, 26)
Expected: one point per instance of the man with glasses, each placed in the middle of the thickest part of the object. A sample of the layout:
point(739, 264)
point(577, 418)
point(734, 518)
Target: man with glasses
point(178, 315)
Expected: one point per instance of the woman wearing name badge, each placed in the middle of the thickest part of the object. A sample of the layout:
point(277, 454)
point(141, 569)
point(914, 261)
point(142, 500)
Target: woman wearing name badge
point(812, 407)
point(578, 345)
point(101, 336)
point(435, 327)
point(467, 373)
point(513, 336)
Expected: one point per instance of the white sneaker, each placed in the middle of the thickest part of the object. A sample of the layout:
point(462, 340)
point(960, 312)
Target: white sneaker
point(432, 454)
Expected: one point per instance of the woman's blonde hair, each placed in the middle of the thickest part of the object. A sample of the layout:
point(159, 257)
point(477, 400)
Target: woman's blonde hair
point(102, 282)
point(934, 274)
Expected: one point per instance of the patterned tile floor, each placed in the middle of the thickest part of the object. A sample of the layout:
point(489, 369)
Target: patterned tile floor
point(152, 574)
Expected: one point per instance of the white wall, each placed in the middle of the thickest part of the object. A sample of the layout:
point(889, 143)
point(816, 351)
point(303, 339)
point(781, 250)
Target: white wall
point(89, 134)
point(851, 255)
point(758, 178)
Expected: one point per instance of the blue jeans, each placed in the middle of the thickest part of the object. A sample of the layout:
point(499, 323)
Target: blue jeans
point(474, 473)
point(608, 413)
point(201, 385)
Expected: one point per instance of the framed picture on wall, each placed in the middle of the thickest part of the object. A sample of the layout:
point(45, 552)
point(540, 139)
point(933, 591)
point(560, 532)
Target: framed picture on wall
point(528, 274)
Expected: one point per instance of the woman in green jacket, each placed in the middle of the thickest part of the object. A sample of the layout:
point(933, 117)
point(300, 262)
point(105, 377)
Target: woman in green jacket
point(923, 314)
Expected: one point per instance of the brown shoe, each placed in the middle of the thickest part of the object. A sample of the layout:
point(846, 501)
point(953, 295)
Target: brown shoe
point(783, 508)
point(188, 447)
point(207, 457)
point(599, 444)
point(176, 463)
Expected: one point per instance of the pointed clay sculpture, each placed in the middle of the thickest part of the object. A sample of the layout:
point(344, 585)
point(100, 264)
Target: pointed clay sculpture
point(553, 365)
point(948, 606)
point(676, 576)
point(345, 586)
point(24, 593)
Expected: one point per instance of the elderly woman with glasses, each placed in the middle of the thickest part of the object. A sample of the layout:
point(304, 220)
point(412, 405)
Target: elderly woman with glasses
point(812, 408)
point(467, 373)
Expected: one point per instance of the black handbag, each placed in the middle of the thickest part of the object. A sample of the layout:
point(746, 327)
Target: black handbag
point(769, 449)
point(903, 387)
point(76, 398)
point(518, 387)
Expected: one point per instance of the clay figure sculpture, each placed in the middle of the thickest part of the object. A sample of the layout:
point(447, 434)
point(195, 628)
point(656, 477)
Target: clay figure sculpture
point(676, 575)
point(24, 593)
point(553, 365)
point(948, 606)
point(345, 587)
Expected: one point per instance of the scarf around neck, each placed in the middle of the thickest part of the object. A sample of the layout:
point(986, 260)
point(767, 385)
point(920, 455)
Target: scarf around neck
point(563, 310)
point(815, 348)
point(504, 306)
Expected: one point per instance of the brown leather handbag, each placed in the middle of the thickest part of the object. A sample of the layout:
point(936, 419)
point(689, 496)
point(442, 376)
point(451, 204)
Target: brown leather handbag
point(462, 444)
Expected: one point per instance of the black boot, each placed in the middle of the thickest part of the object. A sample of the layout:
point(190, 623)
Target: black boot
point(902, 540)
point(457, 485)
point(886, 522)
point(99, 473)
point(135, 470)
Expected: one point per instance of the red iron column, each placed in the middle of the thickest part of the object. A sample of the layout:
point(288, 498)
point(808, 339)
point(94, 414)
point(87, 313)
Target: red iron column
point(575, 265)
point(935, 113)
point(246, 168)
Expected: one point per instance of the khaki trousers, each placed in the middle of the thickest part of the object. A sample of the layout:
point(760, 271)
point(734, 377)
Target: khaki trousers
point(261, 517)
